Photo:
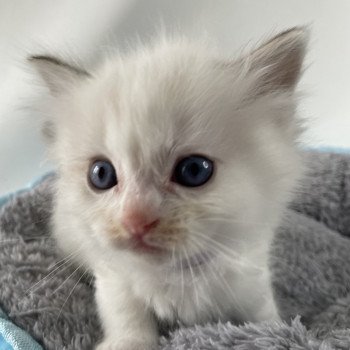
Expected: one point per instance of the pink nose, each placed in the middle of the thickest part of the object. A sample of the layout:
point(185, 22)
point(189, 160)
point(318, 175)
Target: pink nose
point(138, 224)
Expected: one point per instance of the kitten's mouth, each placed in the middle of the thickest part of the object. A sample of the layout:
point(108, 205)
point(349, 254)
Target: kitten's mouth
point(139, 245)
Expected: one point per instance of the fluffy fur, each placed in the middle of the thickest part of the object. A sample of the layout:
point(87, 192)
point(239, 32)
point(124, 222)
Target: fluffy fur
point(143, 112)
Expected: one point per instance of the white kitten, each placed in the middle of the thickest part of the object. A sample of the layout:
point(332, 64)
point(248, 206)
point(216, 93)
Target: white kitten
point(174, 168)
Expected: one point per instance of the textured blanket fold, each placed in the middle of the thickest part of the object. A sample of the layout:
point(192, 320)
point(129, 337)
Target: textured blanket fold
point(310, 263)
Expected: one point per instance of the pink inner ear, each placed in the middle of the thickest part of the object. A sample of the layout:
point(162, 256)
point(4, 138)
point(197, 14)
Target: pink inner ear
point(139, 220)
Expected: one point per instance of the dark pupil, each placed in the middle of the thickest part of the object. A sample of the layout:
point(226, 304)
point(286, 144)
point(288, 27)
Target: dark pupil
point(101, 172)
point(194, 169)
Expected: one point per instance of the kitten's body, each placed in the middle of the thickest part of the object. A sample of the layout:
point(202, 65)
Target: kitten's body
point(143, 113)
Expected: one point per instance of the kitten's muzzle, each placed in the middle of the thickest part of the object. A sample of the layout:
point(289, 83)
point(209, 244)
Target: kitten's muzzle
point(138, 225)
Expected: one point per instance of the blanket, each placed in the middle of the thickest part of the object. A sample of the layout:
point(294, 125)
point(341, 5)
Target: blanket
point(310, 262)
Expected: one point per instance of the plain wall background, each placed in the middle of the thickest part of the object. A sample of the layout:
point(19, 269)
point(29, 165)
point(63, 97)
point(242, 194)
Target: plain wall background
point(85, 28)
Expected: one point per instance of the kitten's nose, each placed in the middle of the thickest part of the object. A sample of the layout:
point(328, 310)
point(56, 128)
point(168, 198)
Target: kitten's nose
point(139, 224)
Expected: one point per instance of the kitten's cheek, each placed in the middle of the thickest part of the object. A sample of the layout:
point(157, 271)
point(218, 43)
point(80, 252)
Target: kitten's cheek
point(115, 234)
point(107, 234)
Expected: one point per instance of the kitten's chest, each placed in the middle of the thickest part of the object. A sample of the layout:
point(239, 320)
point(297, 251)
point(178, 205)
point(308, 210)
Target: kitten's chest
point(191, 296)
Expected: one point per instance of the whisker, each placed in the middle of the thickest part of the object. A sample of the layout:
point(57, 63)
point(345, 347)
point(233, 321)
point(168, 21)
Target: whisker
point(48, 277)
point(193, 279)
point(228, 253)
point(202, 273)
point(60, 264)
point(66, 280)
point(182, 279)
point(91, 280)
point(71, 292)
point(63, 259)
point(171, 265)
point(228, 290)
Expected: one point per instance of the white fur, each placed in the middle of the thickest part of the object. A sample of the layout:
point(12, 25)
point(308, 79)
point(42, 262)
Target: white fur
point(143, 112)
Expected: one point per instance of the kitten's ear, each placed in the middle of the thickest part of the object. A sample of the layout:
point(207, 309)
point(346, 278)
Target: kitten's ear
point(278, 62)
point(57, 75)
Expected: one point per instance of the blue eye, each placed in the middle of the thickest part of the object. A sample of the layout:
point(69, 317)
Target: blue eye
point(102, 175)
point(193, 171)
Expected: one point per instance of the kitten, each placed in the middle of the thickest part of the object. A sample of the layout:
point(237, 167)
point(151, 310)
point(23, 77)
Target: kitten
point(174, 167)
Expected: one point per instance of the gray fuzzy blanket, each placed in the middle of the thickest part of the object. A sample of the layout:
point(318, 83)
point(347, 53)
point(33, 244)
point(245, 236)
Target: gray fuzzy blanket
point(310, 263)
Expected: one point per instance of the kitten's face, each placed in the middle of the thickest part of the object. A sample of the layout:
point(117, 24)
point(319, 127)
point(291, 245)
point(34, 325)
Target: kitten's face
point(172, 151)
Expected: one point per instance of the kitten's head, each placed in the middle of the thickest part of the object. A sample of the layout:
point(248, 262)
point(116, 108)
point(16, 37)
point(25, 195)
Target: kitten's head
point(173, 148)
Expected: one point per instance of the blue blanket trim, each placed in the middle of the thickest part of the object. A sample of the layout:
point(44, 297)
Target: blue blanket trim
point(4, 345)
point(14, 338)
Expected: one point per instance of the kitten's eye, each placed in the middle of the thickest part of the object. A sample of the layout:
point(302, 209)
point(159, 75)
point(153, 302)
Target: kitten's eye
point(102, 175)
point(193, 171)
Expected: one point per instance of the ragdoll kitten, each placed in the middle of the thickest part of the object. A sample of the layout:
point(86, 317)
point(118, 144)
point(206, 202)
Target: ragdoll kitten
point(174, 168)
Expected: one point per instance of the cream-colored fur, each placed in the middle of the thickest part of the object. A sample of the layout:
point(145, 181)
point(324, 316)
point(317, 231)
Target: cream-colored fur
point(143, 112)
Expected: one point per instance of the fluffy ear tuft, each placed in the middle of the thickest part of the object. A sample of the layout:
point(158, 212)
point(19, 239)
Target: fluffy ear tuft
point(57, 75)
point(278, 62)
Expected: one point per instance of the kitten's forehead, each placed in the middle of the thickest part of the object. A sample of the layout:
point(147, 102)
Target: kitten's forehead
point(169, 100)
point(150, 110)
